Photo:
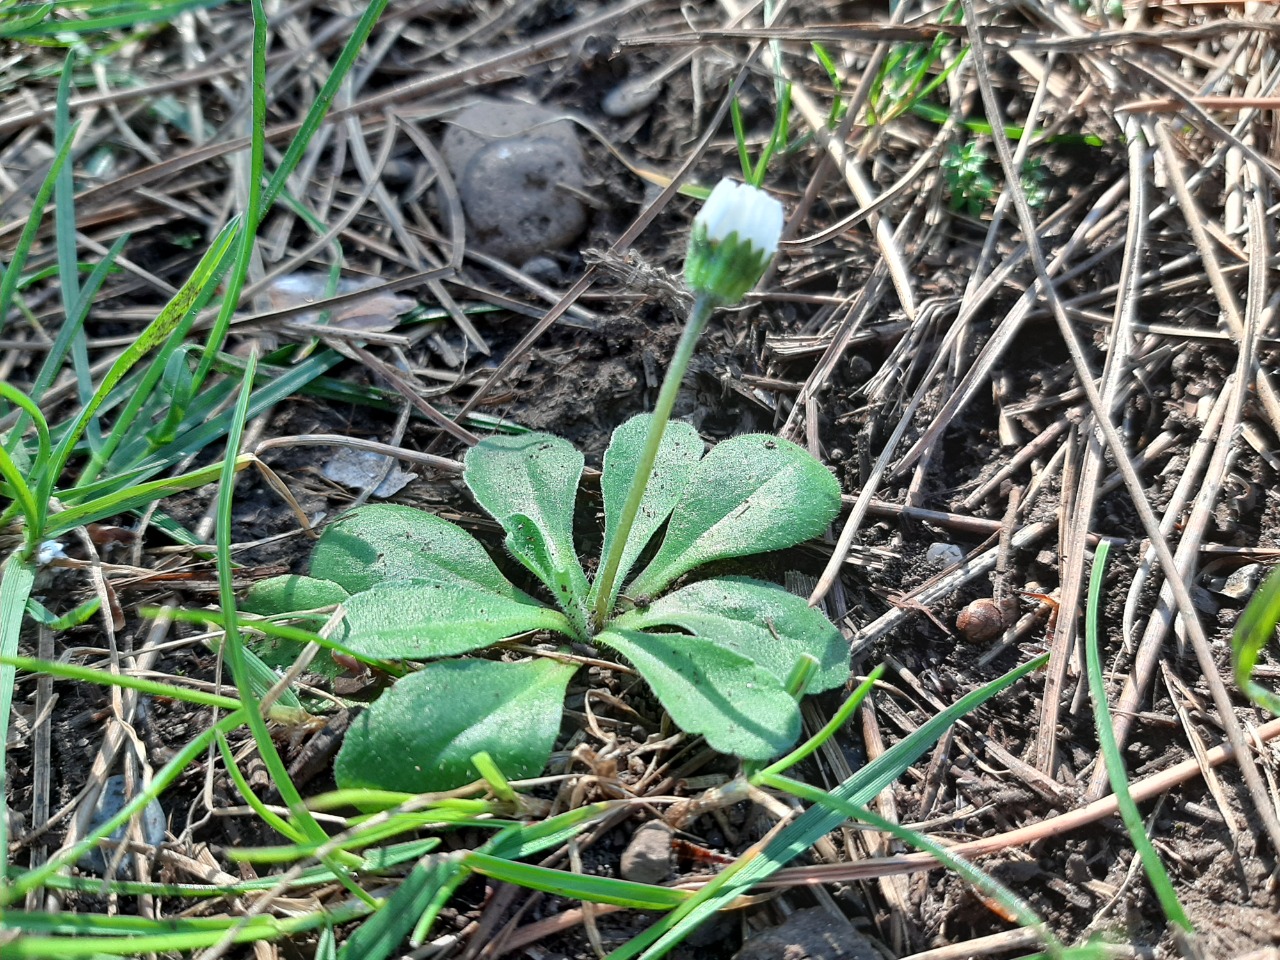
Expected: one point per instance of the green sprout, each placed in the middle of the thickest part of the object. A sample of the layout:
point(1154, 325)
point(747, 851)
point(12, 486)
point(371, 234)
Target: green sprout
point(971, 189)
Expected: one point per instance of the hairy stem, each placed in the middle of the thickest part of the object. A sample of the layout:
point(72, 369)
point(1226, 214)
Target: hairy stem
point(608, 573)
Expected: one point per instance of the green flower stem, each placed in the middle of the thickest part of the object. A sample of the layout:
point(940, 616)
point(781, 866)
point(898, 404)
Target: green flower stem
point(608, 573)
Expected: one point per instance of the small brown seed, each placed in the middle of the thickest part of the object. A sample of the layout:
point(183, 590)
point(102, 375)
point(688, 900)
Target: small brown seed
point(986, 618)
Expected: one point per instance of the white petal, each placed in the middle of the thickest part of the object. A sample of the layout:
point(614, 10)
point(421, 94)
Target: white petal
point(752, 213)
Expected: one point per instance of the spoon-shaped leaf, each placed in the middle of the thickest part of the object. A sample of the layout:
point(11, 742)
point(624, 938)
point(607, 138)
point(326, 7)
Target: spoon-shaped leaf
point(420, 619)
point(677, 456)
point(750, 494)
point(740, 708)
point(760, 621)
point(420, 735)
point(385, 541)
point(529, 484)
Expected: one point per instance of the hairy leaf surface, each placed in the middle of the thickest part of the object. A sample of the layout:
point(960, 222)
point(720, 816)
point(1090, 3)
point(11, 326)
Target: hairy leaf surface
point(420, 619)
point(529, 485)
point(760, 621)
point(420, 735)
point(385, 541)
point(750, 494)
point(678, 454)
point(740, 707)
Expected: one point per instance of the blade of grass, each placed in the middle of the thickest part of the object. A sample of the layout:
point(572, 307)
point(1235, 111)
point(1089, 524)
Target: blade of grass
point(204, 274)
point(33, 879)
point(152, 688)
point(13, 272)
point(253, 207)
point(1254, 630)
point(432, 881)
point(814, 823)
point(234, 652)
point(71, 337)
point(16, 580)
point(64, 196)
point(1014, 905)
point(1129, 812)
point(622, 893)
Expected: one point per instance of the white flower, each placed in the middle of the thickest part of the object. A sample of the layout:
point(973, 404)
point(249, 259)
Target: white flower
point(49, 551)
point(735, 235)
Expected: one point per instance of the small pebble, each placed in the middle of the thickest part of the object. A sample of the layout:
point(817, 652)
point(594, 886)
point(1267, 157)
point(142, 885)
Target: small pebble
point(514, 198)
point(631, 96)
point(1239, 584)
point(647, 858)
point(809, 934)
point(544, 270)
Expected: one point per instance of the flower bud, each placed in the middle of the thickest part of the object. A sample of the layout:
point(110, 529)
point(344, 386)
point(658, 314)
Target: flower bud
point(735, 235)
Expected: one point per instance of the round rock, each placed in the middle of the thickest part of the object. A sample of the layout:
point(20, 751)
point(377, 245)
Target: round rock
point(647, 858)
point(513, 193)
point(511, 161)
point(488, 120)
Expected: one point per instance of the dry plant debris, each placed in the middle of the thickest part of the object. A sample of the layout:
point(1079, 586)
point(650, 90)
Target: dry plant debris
point(1032, 308)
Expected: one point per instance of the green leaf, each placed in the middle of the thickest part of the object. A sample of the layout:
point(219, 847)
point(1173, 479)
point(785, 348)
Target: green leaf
point(290, 594)
point(678, 454)
point(420, 736)
point(423, 618)
point(760, 621)
point(751, 494)
point(740, 708)
point(1254, 630)
point(384, 541)
point(529, 484)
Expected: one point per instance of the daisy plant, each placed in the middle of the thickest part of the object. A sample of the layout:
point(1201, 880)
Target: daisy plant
point(728, 658)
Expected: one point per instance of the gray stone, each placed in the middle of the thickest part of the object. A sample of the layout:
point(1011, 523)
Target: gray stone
point(516, 165)
point(810, 934)
point(647, 858)
point(488, 120)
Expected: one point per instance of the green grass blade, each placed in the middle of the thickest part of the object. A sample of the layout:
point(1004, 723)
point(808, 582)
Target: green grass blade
point(108, 505)
point(28, 407)
point(124, 15)
point(234, 651)
point(72, 671)
point(71, 333)
point(13, 272)
point(64, 196)
point(1129, 812)
point(427, 888)
point(324, 99)
point(24, 499)
point(16, 580)
point(253, 209)
point(841, 717)
point(204, 275)
point(35, 878)
point(810, 826)
point(622, 893)
point(1012, 903)
point(1254, 630)
point(265, 814)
